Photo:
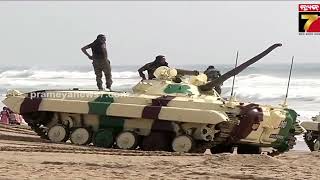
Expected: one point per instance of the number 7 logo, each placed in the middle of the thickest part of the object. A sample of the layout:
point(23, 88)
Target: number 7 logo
point(311, 19)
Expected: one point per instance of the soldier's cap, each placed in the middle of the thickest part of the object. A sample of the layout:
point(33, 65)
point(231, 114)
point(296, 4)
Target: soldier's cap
point(159, 57)
point(211, 67)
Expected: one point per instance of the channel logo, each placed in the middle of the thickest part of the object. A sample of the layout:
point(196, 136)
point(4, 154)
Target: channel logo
point(309, 22)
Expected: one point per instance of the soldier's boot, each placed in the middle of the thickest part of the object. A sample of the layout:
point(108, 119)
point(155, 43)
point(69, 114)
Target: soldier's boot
point(108, 85)
point(108, 82)
point(99, 87)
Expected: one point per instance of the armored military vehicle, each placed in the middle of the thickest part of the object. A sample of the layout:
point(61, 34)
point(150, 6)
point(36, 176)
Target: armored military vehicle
point(312, 136)
point(169, 113)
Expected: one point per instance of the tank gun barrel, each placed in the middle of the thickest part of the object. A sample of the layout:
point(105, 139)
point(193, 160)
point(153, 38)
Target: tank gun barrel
point(208, 86)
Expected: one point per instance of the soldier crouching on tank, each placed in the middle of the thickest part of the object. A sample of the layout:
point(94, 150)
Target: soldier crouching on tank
point(152, 66)
point(212, 73)
point(100, 60)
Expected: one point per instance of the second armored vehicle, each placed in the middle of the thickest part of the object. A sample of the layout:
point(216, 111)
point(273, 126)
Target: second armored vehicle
point(312, 136)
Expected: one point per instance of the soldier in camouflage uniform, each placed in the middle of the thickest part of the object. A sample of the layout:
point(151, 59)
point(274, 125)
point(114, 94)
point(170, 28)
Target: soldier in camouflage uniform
point(100, 60)
point(212, 74)
point(152, 66)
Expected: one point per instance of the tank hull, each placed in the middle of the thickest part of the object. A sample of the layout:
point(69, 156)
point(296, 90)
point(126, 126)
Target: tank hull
point(206, 119)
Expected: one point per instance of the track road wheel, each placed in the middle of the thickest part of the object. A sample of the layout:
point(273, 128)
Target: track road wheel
point(316, 145)
point(80, 136)
point(308, 136)
point(312, 141)
point(156, 141)
point(248, 149)
point(220, 148)
point(127, 140)
point(103, 138)
point(58, 133)
point(183, 143)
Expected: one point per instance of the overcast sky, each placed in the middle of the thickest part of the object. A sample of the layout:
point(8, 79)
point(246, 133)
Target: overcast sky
point(185, 32)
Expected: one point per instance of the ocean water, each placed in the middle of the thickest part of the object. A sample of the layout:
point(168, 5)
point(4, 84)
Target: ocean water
point(265, 84)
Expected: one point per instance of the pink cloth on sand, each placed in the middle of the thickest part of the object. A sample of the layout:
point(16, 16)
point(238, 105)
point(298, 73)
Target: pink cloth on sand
point(4, 117)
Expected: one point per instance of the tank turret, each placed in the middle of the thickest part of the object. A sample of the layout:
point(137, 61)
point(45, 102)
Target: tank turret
point(166, 83)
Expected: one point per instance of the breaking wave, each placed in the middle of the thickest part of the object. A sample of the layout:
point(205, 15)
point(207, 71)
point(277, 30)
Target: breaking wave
point(264, 87)
point(251, 86)
point(43, 74)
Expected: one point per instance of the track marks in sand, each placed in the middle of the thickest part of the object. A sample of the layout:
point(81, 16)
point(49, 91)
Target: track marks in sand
point(109, 165)
point(95, 166)
point(39, 160)
point(21, 138)
point(63, 148)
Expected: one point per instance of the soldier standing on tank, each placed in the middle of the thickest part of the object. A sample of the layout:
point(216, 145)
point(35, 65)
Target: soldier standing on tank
point(100, 60)
point(212, 73)
point(152, 66)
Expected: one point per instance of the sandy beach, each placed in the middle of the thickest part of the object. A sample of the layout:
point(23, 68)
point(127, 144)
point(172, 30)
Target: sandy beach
point(23, 155)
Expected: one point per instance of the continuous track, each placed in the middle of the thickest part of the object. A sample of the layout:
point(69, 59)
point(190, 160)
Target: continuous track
point(31, 142)
point(40, 145)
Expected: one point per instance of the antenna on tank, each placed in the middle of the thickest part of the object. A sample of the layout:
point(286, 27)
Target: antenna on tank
point(234, 77)
point(286, 97)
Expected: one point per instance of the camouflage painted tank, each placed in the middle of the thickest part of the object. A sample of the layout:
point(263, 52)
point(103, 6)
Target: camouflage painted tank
point(184, 115)
point(312, 136)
